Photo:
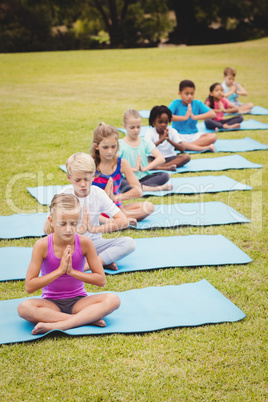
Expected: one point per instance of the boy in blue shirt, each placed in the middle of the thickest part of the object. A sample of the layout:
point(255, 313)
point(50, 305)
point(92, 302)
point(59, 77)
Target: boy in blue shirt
point(185, 114)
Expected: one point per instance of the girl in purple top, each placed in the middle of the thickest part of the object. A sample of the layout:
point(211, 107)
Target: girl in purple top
point(61, 257)
point(109, 171)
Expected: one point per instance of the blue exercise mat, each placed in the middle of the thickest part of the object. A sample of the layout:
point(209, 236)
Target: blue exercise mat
point(256, 110)
point(44, 194)
point(141, 310)
point(200, 184)
point(191, 214)
point(215, 164)
point(245, 125)
point(187, 185)
point(22, 225)
point(161, 252)
point(210, 164)
point(240, 145)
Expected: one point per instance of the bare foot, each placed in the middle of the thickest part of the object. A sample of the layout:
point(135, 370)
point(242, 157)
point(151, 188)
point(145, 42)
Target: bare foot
point(173, 168)
point(229, 126)
point(43, 327)
point(111, 266)
point(99, 323)
point(132, 221)
point(216, 129)
point(212, 147)
point(167, 187)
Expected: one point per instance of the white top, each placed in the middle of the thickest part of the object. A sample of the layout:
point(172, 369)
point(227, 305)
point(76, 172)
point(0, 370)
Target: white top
point(165, 147)
point(97, 202)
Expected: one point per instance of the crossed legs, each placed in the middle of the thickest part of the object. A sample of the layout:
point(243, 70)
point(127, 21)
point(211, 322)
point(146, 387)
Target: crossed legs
point(88, 310)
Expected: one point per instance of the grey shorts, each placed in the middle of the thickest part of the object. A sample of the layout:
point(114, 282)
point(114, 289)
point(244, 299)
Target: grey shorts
point(66, 305)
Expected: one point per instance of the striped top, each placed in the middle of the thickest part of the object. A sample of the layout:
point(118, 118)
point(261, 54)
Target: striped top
point(101, 180)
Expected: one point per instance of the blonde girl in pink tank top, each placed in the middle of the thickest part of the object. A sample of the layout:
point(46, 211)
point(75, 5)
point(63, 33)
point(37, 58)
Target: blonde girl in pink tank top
point(60, 257)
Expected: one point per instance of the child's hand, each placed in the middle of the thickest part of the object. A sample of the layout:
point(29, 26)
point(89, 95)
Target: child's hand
point(90, 227)
point(109, 189)
point(69, 264)
point(138, 162)
point(65, 260)
point(193, 117)
point(189, 112)
point(221, 107)
point(141, 168)
point(83, 227)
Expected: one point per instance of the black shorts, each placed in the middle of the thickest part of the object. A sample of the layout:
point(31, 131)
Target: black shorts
point(66, 305)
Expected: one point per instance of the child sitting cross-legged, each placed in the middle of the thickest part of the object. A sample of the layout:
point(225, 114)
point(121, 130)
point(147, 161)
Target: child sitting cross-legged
point(60, 257)
point(94, 201)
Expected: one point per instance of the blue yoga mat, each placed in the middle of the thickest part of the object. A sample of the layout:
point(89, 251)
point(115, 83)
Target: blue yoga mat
point(200, 184)
point(245, 125)
point(44, 194)
point(211, 164)
point(240, 145)
point(256, 110)
point(160, 252)
point(22, 225)
point(191, 214)
point(215, 164)
point(141, 310)
point(187, 185)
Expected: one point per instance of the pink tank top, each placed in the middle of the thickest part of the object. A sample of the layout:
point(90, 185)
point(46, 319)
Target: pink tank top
point(64, 287)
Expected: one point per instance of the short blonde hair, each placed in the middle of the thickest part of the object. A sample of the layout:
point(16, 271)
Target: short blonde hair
point(64, 202)
point(80, 162)
point(131, 113)
point(229, 71)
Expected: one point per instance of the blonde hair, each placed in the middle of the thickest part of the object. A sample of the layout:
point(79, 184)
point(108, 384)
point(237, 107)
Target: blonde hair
point(103, 131)
point(80, 162)
point(64, 202)
point(131, 113)
point(229, 71)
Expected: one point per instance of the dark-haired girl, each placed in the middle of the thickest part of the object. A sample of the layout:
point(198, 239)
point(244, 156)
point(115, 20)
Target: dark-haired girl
point(221, 105)
point(166, 139)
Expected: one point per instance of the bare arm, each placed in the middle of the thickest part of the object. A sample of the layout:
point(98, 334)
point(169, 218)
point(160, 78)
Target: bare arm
point(35, 282)
point(136, 190)
point(241, 91)
point(118, 222)
point(97, 275)
point(159, 159)
point(208, 115)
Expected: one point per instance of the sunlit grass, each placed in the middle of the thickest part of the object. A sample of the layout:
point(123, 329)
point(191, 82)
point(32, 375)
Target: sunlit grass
point(50, 104)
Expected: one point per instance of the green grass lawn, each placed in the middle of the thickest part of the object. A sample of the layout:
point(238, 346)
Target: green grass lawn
point(50, 105)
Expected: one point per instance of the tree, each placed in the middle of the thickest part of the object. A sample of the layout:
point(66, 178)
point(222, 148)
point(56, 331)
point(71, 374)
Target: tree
point(212, 21)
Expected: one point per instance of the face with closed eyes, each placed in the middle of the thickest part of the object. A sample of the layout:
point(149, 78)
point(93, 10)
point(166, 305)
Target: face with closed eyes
point(65, 223)
point(133, 127)
point(81, 182)
point(107, 148)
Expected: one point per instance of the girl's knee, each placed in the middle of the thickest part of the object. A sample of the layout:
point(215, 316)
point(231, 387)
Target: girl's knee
point(213, 138)
point(148, 207)
point(22, 308)
point(113, 301)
